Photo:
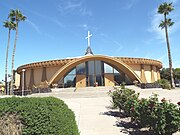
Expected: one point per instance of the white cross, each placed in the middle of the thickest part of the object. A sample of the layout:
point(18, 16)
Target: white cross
point(88, 37)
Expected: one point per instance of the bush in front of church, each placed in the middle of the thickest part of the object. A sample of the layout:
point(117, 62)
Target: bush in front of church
point(38, 116)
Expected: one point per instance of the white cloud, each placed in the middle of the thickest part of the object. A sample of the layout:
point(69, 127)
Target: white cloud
point(73, 7)
point(47, 18)
point(156, 20)
point(84, 12)
point(173, 1)
point(162, 57)
point(136, 50)
point(118, 45)
point(129, 4)
point(36, 28)
point(87, 27)
point(176, 64)
point(154, 28)
point(60, 24)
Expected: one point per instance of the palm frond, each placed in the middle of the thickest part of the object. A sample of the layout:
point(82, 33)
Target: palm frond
point(169, 22)
point(162, 25)
point(16, 15)
point(165, 8)
point(9, 24)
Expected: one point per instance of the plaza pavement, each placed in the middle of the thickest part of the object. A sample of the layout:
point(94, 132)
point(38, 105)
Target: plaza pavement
point(91, 107)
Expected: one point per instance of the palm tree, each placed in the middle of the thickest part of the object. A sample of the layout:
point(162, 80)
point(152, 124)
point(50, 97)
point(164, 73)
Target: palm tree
point(16, 16)
point(165, 9)
point(11, 26)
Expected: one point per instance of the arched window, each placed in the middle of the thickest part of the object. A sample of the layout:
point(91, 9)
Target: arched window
point(95, 73)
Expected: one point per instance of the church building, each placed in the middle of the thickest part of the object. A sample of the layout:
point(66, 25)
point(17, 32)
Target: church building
point(88, 71)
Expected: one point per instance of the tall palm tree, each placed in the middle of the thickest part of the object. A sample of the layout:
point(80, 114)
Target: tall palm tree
point(11, 26)
point(165, 9)
point(16, 16)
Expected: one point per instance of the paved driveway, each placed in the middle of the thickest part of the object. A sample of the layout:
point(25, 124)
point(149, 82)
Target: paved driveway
point(90, 106)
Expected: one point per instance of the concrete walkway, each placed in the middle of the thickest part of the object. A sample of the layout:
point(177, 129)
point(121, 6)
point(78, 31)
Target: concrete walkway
point(90, 106)
point(91, 116)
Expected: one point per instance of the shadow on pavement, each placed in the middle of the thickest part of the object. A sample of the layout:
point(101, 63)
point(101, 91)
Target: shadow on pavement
point(128, 127)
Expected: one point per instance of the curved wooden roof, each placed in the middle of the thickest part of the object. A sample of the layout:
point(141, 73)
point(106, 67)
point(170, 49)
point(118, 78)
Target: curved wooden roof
point(62, 62)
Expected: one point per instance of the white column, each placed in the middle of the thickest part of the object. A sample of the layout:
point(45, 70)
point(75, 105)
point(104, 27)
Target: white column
point(23, 77)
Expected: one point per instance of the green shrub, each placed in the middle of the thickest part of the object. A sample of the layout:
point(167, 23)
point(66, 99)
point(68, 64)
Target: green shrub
point(120, 96)
point(165, 84)
point(130, 104)
point(41, 116)
point(167, 118)
point(162, 118)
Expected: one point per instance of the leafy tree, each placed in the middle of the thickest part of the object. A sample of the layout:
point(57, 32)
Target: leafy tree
point(165, 9)
point(11, 26)
point(177, 73)
point(15, 16)
point(165, 74)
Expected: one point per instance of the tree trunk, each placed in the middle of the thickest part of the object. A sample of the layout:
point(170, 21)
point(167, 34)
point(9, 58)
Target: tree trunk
point(13, 54)
point(6, 66)
point(169, 53)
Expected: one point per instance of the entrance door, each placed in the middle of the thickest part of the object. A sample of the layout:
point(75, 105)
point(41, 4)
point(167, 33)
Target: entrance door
point(91, 80)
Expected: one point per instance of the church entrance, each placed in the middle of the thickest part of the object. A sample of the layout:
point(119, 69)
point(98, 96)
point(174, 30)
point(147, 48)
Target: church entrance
point(92, 74)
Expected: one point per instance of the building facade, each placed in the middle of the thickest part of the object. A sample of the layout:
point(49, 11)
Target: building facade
point(89, 70)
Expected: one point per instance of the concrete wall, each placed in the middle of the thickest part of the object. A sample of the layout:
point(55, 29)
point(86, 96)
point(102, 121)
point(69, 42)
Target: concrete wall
point(136, 68)
point(17, 80)
point(50, 71)
point(80, 80)
point(28, 73)
point(37, 76)
point(155, 73)
point(109, 79)
point(147, 71)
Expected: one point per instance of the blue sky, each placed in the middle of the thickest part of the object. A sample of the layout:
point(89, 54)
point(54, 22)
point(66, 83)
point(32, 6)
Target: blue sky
point(56, 29)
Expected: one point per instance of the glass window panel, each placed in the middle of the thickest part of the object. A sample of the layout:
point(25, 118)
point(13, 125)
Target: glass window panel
point(70, 81)
point(91, 67)
point(117, 79)
point(102, 67)
point(99, 80)
point(107, 68)
point(87, 72)
point(98, 67)
point(127, 80)
point(115, 71)
point(80, 69)
point(72, 72)
point(60, 83)
point(91, 80)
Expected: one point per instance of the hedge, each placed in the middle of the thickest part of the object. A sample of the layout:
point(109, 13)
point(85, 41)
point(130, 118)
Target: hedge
point(160, 117)
point(40, 116)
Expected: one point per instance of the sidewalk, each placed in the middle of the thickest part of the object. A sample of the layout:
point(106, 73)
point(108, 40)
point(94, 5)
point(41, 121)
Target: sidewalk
point(90, 107)
point(91, 116)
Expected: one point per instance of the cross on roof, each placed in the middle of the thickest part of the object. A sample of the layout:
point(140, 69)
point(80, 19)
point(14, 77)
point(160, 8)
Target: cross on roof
point(88, 37)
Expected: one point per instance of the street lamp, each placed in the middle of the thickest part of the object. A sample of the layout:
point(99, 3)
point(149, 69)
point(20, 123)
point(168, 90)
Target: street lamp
point(23, 77)
point(8, 82)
